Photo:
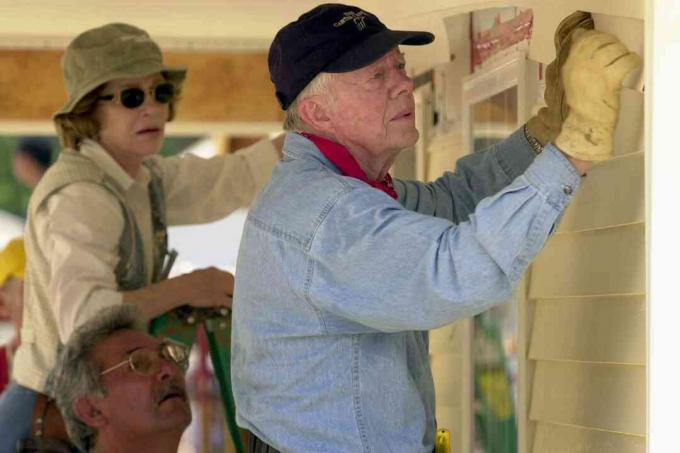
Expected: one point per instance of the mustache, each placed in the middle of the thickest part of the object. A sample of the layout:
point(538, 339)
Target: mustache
point(170, 388)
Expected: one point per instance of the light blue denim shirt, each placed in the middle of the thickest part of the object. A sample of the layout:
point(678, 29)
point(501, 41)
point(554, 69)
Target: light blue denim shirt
point(337, 285)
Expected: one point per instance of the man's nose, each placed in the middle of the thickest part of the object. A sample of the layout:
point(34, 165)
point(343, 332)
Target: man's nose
point(403, 84)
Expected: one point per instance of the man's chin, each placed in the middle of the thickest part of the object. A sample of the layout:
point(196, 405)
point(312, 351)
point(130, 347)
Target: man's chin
point(409, 138)
point(416, 136)
point(179, 416)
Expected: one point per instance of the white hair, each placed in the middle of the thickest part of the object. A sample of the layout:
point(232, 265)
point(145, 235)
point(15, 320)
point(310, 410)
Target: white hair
point(318, 85)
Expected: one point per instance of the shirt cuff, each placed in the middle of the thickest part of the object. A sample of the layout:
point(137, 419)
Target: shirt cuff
point(515, 154)
point(554, 177)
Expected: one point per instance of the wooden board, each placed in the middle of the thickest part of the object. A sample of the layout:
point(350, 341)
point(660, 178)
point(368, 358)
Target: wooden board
point(219, 87)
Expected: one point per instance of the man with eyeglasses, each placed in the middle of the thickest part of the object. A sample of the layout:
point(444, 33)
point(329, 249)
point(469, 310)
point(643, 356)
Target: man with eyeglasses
point(339, 279)
point(121, 389)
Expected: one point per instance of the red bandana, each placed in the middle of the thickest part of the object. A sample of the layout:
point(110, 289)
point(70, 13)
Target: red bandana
point(348, 165)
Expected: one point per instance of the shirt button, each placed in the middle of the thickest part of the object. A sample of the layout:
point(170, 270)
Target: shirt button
point(567, 189)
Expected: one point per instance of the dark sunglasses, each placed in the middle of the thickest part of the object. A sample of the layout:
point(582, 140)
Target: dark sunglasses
point(133, 97)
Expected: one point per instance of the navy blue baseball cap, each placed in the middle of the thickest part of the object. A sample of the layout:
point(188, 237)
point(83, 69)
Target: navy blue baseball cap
point(331, 38)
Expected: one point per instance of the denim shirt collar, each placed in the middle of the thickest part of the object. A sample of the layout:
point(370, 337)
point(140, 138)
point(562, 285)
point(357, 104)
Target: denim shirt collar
point(297, 146)
point(336, 157)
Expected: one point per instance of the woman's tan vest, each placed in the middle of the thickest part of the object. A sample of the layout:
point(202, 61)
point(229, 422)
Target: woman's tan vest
point(39, 335)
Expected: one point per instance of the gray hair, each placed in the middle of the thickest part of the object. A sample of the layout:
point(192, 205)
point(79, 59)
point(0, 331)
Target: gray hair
point(318, 85)
point(76, 374)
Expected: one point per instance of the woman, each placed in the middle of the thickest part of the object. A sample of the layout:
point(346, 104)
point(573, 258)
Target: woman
point(96, 231)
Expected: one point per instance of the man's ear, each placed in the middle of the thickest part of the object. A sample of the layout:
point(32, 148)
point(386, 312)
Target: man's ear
point(87, 410)
point(313, 110)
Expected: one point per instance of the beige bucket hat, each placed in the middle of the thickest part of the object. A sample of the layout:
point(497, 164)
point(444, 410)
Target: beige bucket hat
point(112, 51)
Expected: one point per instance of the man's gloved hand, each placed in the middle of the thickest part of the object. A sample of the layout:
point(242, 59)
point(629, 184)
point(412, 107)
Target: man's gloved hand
point(547, 123)
point(592, 76)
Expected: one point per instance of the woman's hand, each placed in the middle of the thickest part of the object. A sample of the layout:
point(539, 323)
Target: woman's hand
point(207, 288)
point(204, 288)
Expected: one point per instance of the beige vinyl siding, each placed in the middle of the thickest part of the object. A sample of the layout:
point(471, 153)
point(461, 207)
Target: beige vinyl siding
point(593, 262)
point(585, 315)
point(590, 329)
point(571, 439)
point(601, 396)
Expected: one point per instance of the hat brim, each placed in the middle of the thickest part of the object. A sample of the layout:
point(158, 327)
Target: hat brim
point(374, 47)
point(175, 74)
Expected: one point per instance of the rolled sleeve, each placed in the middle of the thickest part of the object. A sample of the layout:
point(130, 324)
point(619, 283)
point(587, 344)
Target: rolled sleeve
point(201, 190)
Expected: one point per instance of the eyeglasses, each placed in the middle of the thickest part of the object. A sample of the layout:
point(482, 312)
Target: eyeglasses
point(133, 97)
point(147, 362)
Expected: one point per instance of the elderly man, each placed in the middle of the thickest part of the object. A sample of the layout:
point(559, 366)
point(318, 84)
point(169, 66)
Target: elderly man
point(120, 389)
point(342, 271)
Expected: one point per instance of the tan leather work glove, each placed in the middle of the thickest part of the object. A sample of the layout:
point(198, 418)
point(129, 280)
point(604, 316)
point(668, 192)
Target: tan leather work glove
point(547, 123)
point(597, 64)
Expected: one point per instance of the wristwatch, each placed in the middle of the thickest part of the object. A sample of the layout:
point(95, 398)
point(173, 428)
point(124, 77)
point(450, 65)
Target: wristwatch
point(535, 144)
